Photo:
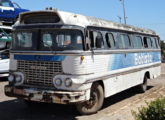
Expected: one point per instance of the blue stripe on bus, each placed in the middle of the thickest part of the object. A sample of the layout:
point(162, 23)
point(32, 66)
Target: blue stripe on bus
point(39, 57)
point(119, 61)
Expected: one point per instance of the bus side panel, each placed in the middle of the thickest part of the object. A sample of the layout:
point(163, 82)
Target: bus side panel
point(94, 65)
point(156, 71)
point(122, 82)
point(125, 70)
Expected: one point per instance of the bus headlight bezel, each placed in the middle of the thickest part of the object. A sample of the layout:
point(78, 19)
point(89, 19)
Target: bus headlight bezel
point(19, 78)
point(68, 82)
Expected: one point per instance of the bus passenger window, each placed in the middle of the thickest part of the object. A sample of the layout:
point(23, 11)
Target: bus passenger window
point(127, 43)
point(119, 42)
point(123, 41)
point(99, 41)
point(157, 42)
point(110, 40)
point(147, 42)
point(96, 40)
point(154, 44)
point(137, 42)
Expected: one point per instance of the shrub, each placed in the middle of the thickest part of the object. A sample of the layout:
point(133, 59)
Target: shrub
point(155, 110)
point(162, 44)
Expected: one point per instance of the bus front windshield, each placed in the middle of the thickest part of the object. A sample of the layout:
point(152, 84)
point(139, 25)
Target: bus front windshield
point(46, 40)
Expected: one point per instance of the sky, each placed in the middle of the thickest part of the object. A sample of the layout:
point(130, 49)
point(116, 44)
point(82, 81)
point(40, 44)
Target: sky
point(141, 13)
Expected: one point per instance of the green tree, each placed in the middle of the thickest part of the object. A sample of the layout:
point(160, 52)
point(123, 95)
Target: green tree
point(162, 44)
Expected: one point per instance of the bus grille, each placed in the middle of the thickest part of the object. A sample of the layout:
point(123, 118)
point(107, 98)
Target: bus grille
point(39, 73)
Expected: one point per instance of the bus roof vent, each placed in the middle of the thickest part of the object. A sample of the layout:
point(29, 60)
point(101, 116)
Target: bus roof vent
point(39, 17)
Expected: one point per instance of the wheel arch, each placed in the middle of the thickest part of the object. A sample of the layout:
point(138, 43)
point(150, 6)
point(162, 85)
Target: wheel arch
point(147, 74)
point(101, 83)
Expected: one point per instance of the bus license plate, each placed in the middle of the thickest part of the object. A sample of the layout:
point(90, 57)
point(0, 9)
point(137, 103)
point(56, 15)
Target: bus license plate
point(19, 91)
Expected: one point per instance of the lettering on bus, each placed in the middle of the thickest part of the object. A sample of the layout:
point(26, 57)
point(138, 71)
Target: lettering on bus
point(142, 58)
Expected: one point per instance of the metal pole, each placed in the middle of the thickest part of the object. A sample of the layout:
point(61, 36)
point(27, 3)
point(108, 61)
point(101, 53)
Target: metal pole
point(125, 21)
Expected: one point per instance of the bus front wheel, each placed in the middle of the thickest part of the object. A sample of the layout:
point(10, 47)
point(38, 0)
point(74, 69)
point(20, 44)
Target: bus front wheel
point(95, 103)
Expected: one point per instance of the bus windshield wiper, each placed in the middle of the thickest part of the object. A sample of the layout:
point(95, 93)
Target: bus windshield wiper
point(50, 47)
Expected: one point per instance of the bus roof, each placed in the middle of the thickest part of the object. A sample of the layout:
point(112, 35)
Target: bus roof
point(83, 21)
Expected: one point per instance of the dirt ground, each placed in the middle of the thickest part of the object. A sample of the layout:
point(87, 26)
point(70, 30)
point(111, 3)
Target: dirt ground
point(117, 107)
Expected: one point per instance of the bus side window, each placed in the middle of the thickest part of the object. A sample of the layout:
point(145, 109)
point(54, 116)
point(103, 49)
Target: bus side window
point(96, 40)
point(123, 41)
point(119, 41)
point(154, 44)
point(157, 42)
point(147, 42)
point(110, 40)
point(137, 42)
point(127, 43)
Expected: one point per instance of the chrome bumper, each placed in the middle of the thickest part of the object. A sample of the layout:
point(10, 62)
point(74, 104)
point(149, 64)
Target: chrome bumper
point(48, 96)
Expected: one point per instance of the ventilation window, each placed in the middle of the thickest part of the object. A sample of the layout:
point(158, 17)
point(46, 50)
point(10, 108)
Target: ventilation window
point(41, 18)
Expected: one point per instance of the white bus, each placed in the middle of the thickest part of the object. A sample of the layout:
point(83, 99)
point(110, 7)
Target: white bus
point(66, 58)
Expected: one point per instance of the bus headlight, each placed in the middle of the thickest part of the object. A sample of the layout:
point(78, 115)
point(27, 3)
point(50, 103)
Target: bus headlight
point(58, 82)
point(68, 82)
point(11, 78)
point(18, 78)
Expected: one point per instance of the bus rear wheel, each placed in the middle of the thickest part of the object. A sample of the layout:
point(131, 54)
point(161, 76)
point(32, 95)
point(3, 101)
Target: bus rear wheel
point(95, 103)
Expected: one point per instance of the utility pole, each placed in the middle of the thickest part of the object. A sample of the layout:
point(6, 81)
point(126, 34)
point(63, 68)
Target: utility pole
point(123, 2)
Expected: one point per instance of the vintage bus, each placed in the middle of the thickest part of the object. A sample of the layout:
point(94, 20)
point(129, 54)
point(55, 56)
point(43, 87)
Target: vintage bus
point(67, 58)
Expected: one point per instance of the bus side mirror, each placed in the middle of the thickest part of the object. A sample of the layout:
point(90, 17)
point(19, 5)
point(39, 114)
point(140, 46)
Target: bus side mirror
point(99, 42)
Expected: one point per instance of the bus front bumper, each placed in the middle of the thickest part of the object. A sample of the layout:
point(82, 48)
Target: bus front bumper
point(48, 96)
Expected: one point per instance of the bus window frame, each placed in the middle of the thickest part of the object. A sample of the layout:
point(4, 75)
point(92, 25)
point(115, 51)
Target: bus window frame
point(155, 42)
point(127, 34)
point(157, 39)
point(89, 37)
point(141, 37)
point(113, 36)
point(65, 29)
point(147, 42)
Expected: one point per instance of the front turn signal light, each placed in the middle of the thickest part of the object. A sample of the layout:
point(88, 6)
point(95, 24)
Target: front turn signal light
point(82, 58)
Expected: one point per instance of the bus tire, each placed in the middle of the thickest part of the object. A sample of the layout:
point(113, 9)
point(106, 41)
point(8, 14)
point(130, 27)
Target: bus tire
point(143, 86)
point(95, 103)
